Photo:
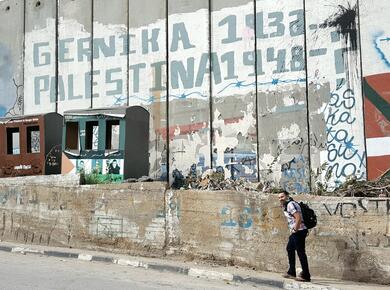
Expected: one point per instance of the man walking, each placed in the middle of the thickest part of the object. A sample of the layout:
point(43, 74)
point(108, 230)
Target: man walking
point(296, 241)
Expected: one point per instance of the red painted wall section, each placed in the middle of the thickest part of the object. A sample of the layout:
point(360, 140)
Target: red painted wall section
point(377, 124)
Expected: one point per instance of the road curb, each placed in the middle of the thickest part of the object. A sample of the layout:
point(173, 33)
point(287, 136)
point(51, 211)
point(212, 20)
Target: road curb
point(193, 272)
point(211, 275)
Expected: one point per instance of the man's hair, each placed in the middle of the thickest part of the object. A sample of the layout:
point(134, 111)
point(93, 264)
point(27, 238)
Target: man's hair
point(286, 192)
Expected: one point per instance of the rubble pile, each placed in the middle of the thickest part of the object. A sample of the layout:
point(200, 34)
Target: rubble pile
point(355, 188)
point(215, 180)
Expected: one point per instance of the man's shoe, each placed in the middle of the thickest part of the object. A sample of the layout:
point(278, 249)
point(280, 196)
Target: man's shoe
point(288, 276)
point(301, 279)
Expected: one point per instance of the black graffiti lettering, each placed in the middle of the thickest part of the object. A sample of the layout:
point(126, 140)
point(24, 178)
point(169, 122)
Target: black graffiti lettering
point(360, 203)
point(377, 201)
point(335, 210)
point(388, 207)
point(347, 204)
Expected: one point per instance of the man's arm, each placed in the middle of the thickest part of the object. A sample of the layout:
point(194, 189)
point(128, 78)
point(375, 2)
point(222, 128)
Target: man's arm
point(298, 221)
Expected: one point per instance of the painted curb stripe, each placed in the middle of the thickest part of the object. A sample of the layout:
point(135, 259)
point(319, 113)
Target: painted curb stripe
point(5, 249)
point(166, 268)
point(103, 259)
point(61, 254)
point(274, 283)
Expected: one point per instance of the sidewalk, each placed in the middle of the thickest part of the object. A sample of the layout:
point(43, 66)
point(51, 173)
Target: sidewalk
point(195, 269)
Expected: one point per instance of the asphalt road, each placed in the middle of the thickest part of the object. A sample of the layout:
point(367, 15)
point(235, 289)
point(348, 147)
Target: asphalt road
point(39, 272)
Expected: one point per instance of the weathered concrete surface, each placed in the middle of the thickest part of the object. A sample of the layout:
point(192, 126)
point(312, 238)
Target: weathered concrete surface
point(43, 180)
point(148, 77)
point(126, 217)
point(11, 57)
point(40, 27)
point(266, 89)
point(351, 241)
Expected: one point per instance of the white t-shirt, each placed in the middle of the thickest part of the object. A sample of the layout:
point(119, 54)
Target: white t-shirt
point(292, 208)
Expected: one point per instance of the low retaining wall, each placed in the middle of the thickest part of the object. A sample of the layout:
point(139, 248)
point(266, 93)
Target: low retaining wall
point(351, 241)
point(45, 180)
point(125, 217)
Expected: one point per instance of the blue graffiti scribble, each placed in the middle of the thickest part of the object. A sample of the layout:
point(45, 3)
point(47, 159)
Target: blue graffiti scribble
point(241, 84)
point(228, 222)
point(379, 50)
point(120, 100)
point(186, 95)
point(295, 175)
point(237, 84)
point(342, 151)
point(244, 221)
point(148, 99)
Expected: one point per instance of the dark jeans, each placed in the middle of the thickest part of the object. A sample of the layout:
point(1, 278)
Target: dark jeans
point(296, 242)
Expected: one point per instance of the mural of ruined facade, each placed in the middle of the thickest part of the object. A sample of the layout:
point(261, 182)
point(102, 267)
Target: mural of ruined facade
point(294, 92)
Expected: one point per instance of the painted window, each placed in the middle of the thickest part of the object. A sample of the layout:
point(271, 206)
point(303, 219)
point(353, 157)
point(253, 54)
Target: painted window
point(33, 139)
point(92, 135)
point(13, 141)
point(112, 135)
point(72, 136)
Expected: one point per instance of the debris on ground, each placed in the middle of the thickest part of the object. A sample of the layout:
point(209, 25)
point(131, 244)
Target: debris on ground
point(214, 179)
point(141, 179)
point(363, 188)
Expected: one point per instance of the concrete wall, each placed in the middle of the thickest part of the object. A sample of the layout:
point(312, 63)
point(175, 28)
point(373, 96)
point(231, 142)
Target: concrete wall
point(269, 90)
point(351, 240)
point(129, 218)
point(42, 180)
point(11, 57)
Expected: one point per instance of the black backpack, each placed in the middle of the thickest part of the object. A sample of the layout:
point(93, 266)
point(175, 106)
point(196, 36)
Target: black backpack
point(308, 215)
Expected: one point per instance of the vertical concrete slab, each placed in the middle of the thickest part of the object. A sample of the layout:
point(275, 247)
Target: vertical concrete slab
point(335, 95)
point(40, 57)
point(11, 57)
point(74, 55)
point(110, 53)
point(282, 109)
point(147, 71)
point(189, 87)
point(375, 35)
point(234, 89)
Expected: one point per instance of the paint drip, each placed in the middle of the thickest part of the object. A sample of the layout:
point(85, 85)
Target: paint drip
point(344, 20)
point(345, 23)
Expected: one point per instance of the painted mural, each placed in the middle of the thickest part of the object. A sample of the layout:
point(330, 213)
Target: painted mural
point(376, 82)
point(294, 93)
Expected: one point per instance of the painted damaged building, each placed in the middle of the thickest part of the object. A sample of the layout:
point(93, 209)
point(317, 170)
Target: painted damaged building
point(292, 92)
